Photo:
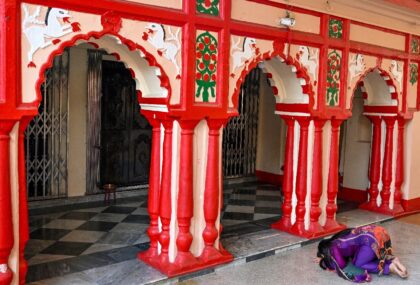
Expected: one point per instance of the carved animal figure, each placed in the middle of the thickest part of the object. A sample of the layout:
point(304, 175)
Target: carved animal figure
point(41, 34)
point(357, 66)
point(241, 56)
point(396, 71)
point(309, 59)
point(167, 46)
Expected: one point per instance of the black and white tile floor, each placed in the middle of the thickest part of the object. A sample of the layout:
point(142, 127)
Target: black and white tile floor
point(78, 240)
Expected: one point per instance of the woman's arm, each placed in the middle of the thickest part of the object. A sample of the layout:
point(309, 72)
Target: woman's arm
point(335, 253)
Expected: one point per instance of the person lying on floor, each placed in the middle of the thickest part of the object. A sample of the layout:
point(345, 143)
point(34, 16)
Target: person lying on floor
point(355, 253)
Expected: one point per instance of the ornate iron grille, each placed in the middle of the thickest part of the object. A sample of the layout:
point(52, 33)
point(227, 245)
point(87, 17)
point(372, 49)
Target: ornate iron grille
point(240, 135)
point(46, 140)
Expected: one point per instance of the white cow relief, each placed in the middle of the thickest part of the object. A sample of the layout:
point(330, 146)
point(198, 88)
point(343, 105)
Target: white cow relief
point(167, 46)
point(241, 56)
point(309, 58)
point(356, 66)
point(42, 34)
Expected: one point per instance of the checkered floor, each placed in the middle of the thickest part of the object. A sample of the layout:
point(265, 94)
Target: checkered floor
point(81, 232)
point(250, 203)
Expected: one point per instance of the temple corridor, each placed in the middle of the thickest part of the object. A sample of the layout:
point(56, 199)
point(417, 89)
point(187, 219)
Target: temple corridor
point(66, 243)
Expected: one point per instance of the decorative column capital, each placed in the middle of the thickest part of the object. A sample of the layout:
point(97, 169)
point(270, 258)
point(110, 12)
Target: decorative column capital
point(303, 121)
point(289, 120)
point(5, 127)
point(376, 120)
point(215, 124)
point(188, 126)
point(168, 124)
point(335, 123)
point(402, 121)
point(319, 124)
point(390, 121)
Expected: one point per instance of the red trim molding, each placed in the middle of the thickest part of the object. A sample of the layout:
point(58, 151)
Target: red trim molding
point(411, 205)
point(267, 177)
point(353, 195)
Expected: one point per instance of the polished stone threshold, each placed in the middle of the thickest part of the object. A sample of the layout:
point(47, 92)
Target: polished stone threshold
point(119, 266)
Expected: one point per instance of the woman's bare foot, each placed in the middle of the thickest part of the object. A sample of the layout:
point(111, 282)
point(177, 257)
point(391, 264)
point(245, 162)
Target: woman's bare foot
point(397, 268)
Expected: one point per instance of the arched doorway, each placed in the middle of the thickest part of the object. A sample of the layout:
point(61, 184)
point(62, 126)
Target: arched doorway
point(369, 146)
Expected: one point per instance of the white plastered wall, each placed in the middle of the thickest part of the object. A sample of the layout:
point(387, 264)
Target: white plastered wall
point(271, 132)
point(77, 92)
point(411, 187)
point(356, 147)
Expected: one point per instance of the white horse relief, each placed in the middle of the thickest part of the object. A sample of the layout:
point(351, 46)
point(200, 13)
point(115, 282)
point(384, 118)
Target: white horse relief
point(397, 72)
point(309, 59)
point(241, 56)
point(167, 46)
point(356, 66)
point(42, 34)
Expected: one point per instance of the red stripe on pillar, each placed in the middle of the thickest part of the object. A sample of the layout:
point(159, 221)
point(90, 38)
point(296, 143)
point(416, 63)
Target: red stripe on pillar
point(314, 226)
point(6, 225)
point(185, 196)
point(331, 224)
point(23, 203)
point(301, 178)
point(387, 165)
point(154, 191)
point(399, 171)
point(375, 164)
point(212, 193)
point(165, 208)
point(285, 222)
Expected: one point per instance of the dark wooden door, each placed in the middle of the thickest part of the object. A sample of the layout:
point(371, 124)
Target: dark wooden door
point(125, 133)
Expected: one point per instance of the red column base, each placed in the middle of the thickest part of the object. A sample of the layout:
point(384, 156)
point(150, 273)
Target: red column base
point(369, 206)
point(147, 254)
point(398, 209)
point(282, 225)
point(333, 226)
point(6, 278)
point(176, 269)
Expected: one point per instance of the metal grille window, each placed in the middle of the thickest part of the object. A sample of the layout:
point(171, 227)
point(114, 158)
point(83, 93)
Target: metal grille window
point(46, 140)
point(240, 135)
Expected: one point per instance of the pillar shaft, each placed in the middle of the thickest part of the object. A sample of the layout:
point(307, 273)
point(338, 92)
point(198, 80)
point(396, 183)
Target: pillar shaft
point(165, 208)
point(285, 222)
point(399, 171)
point(331, 224)
point(301, 178)
point(212, 191)
point(387, 163)
point(154, 190)
point(6, 225)
point(375, 164)
point(185, 195)
point(314, 226)
point(23, 203)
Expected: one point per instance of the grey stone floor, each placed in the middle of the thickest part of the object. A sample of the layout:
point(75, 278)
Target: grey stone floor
point(297, 266)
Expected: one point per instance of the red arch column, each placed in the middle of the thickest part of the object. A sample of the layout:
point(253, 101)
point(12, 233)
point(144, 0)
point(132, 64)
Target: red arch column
point(387, 165)
point(165, 209)
point(212, 193)
point(185, 195)
point(154, 191)
point(331, 224)
point(399, 171)
point(23, 203)
point(6, 225)
point(285, 222)
point(315, 229)
point(298, 227)
point(375, 164)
